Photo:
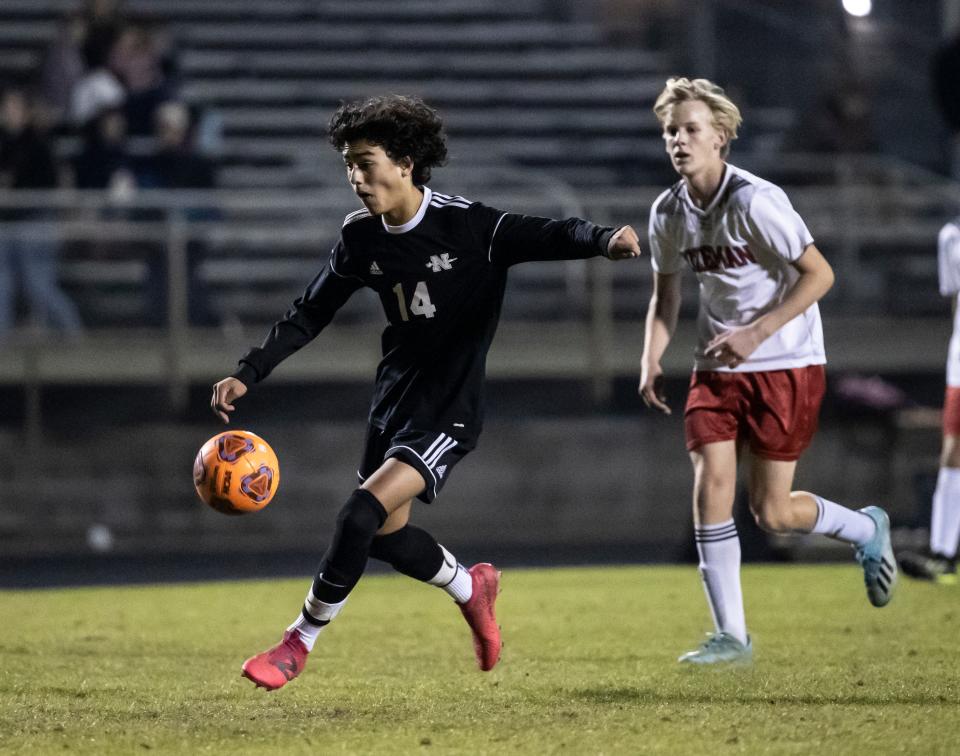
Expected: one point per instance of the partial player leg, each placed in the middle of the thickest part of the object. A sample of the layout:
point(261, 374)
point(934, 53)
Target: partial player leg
point(414, 552)
point(365, 512)
point(778, 510)
point(718, 544)
point(939, 564)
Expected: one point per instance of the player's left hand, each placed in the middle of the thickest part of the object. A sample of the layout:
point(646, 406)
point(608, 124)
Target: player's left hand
point(624, 244)
point(734, 346)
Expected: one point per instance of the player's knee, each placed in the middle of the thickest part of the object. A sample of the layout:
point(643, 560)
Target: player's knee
point(361, 516)
point(713, 491)
point(771, 516)
point(411, 551)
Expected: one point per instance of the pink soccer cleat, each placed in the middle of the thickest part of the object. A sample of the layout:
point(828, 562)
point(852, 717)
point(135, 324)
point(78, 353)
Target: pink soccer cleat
point(478, 612)
point(277, 666)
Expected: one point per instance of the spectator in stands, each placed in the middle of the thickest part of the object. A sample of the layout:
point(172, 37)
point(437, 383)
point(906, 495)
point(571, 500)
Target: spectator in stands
point(105, 21)
point(178, 165)
point(63, 67)
point(136, 60)
point(166, 49)
point(98, 90)
point(104, 162)
point(656, 24)
point(840, 121)
point(28, 244)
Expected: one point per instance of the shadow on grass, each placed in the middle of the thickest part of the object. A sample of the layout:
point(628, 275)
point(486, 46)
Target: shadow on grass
point(607, 696)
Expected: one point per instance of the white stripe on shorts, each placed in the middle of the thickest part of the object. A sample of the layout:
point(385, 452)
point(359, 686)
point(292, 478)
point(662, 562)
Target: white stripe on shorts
point(444, 448)
point(433, 446)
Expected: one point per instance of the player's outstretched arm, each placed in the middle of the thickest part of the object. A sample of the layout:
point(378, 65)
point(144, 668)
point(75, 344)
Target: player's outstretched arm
point(624, 244)
point(515, 238)
point(303, 322)
point(662, 315)
point(225, 393)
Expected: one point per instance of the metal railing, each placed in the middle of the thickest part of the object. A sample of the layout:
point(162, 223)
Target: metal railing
point(856, 204)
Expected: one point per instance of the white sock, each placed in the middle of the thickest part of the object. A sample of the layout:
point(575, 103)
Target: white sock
point(719, 549)
point(945, 522)
point(307, 631)
point(320, 612)
point(843, 524)
point(453, 578)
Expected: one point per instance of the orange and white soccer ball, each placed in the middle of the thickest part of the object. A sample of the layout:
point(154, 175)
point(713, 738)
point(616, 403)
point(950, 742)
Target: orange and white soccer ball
point(236, 472)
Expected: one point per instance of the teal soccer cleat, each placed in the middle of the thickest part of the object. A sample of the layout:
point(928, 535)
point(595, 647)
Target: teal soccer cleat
point(720, 648)
point(876, 558)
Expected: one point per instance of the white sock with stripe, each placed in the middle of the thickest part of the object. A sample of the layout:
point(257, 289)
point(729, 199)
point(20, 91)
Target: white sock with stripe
point(320, 613)
point(719, 549)
point(945, 520)
point(844, 524)
point(453, 578)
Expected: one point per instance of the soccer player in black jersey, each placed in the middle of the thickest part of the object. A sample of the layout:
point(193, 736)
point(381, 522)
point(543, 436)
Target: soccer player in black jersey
point(439, 265)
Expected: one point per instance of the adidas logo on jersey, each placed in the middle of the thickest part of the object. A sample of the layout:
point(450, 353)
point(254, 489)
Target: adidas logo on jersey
point(375, 269)
point(441, 262)
point(441, 470)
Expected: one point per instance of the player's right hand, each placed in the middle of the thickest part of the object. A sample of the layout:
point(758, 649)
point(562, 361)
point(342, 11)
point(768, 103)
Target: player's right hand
point(651, 389)
point(225, 392)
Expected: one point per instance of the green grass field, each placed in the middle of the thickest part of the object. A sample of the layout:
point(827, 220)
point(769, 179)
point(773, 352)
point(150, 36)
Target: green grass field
point(588, 668)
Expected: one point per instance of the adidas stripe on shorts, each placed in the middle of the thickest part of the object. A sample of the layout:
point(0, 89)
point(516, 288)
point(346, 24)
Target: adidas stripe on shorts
point(433, 454)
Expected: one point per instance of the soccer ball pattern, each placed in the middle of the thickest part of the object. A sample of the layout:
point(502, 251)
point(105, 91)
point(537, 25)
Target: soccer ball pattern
point(236, 472)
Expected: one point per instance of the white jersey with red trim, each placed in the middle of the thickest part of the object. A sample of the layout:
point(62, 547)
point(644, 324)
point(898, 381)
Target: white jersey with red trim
point(741, 246)
point(948, 262)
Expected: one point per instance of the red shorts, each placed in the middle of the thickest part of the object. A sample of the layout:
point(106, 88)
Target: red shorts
point(774, 410)
point(951, 412)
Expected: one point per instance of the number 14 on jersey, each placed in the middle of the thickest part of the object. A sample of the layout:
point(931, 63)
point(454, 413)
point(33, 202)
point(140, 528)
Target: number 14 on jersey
point(420, 303)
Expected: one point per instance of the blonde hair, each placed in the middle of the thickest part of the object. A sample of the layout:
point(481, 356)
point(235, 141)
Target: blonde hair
point(726, 115)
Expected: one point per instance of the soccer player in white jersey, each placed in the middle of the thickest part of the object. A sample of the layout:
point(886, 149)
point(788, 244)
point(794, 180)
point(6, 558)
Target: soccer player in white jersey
point(940, 563)
point(758, 376)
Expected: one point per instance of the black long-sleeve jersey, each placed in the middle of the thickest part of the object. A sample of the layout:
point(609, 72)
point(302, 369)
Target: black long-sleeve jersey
point(441, 279)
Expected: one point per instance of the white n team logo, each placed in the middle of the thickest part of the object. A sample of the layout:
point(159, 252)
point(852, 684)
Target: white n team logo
point(441, 262)
point(441, 470)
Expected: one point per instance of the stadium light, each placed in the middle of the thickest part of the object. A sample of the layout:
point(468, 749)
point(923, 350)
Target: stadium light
point(858, 8)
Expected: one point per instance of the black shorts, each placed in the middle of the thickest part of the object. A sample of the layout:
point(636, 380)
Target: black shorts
point(430, 453)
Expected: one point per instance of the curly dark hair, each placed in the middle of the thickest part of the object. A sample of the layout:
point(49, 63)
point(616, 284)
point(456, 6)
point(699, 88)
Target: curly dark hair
point(406, 127)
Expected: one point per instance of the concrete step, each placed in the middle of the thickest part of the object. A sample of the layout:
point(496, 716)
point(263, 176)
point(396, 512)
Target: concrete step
point(575, 65)
point(517, 90)
point(421, 35)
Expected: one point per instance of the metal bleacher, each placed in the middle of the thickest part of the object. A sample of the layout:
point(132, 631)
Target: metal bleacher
point(544, 114)
point(533, 106)
point(498, 72)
